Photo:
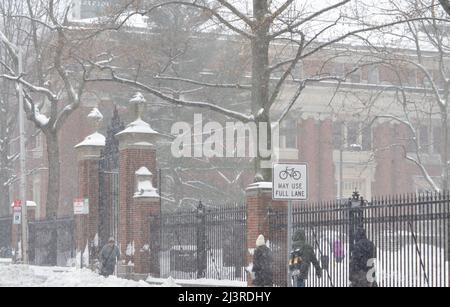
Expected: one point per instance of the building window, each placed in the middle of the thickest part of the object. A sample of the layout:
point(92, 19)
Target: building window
point(353, 132)
point(354, 136)
point(437, 137)
point(289, 133)
point(356, 77)
point(424, 139)
point(366, 141)
point(373, 76)
point(338, 135)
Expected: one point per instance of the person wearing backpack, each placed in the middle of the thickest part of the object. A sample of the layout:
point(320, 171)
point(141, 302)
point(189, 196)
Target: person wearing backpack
point(364, 250)
point(301, 258)
point(109, 255)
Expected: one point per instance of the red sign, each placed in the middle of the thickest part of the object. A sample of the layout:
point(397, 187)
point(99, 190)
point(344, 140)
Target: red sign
point(18, 203)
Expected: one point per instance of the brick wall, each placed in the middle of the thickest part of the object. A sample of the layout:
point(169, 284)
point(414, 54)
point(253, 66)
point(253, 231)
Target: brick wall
point(142, 211)
point(131, 159)
point(259, 201)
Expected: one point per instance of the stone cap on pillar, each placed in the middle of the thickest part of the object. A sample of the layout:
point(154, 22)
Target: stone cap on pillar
point(259, 187)
point(144, 185)
point(91, 147)
point(138, 134)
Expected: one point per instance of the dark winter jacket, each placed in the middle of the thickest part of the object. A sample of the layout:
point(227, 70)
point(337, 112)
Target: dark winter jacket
point(108, 258)
point(302, 256)
point(363, 251)
point(263, 267)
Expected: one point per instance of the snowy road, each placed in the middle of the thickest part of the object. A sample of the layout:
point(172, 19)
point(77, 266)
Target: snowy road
point(31, 276)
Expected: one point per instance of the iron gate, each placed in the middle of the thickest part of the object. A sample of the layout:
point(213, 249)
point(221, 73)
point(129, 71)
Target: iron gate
point(5, 237)
point(204, 243)
point(109, 184)
point(52, 242)
point(410, 233)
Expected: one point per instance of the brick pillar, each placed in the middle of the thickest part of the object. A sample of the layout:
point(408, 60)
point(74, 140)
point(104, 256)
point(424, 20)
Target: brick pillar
point(327, 186)
point(259, 202)
point(384, 159)
point(136, 151)
point(87, 226)
point(146, 205)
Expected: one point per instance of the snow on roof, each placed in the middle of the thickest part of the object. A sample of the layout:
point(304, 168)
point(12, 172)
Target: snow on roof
point(260, 185)
point(329, 25)
point(133, 21)
point(30, 204)
point(138, 126)
point(138, 98)
point(143, 171)
point(95, 115)
point(95, 139)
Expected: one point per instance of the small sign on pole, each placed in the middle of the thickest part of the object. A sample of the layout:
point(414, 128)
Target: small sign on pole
point(17, 212)
point(81, 206)
point(290, 181)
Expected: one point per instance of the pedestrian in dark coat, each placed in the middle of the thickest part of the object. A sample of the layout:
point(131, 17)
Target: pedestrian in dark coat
point(262, 264)
point(109, 255)
point(363, 251)
point(302, 256)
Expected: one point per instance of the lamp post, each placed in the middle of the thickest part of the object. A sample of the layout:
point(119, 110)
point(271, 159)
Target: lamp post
point(355, 217)
point(23, 178)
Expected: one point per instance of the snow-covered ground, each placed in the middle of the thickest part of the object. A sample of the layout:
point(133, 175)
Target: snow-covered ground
point(32, 276)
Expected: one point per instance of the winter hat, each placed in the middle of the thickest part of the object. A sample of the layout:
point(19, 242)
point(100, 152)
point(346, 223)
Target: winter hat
point(261, 241)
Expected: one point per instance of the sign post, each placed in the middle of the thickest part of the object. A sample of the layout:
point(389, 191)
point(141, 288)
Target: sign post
point(290, 182)
point(81, 206)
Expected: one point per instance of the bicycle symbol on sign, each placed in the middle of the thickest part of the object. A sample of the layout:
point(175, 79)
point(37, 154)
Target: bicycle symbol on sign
point(290, 172)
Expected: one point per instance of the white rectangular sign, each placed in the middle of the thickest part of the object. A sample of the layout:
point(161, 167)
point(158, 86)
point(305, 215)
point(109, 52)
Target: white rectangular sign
point(81, 206)
point(290, 181)
point(17, 218)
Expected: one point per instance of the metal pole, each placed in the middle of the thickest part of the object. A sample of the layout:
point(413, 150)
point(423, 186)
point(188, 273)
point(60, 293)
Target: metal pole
point(23, 178)
point(289, 242)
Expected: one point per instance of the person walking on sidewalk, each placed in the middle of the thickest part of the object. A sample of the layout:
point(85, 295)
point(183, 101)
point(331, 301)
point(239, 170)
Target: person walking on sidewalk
point(302, 256)
point(262, 264)
point(109, 256)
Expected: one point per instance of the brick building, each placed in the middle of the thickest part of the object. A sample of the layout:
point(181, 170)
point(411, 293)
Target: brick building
point(333, 131)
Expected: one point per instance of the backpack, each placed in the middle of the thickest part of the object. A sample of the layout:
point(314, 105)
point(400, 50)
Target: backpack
point(295, 260)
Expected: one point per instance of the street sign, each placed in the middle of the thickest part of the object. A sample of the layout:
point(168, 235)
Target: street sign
point(290, 181)
point(81, 206)
point(17, 218)
point(17, 203)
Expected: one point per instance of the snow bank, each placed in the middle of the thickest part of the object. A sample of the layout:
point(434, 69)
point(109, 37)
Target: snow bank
point(30, 276)
point(170, 282)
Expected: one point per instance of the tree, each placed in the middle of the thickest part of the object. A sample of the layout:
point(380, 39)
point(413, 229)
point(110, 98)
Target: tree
point(305, 30)
point(53, 84)
point(420, 83)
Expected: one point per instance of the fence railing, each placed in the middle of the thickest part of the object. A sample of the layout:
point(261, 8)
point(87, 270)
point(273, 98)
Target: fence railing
point(52, 242)
point(410, 233)
point(5, 237)
point(204, 243)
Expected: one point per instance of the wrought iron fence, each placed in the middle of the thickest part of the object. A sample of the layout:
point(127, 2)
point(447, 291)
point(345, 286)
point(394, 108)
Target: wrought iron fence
point(204, 243)
point(410, 234)
point(52, 242)
point(5, 237)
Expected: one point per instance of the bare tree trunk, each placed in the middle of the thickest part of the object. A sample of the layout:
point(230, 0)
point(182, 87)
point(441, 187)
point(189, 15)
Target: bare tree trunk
point(54, 167)
point(4, 194)
point(261, 82)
